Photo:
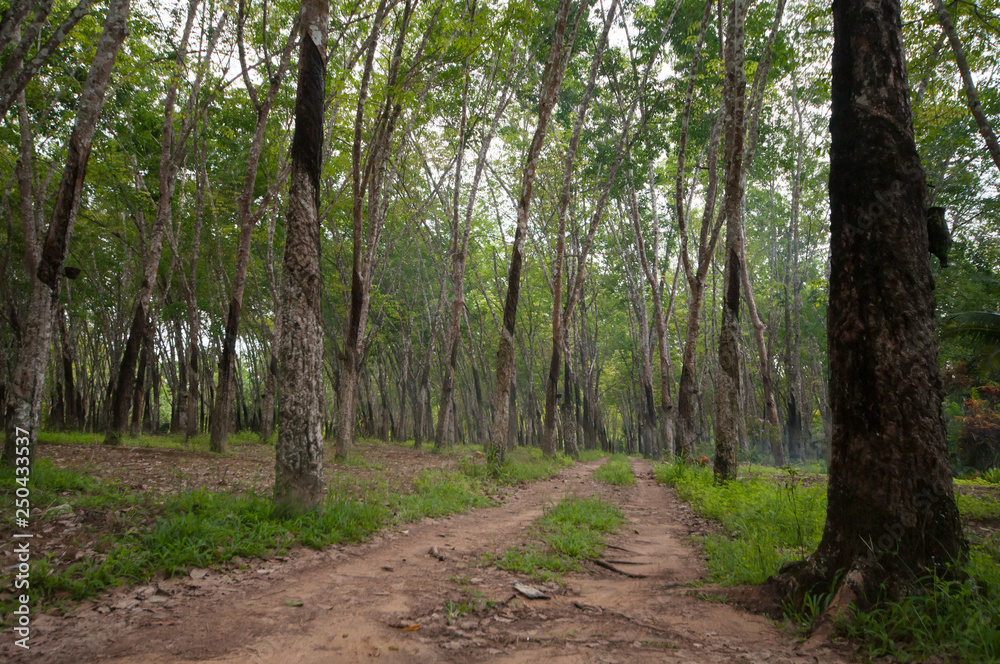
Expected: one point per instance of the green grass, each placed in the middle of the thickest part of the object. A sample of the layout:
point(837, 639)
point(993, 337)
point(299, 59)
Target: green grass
point(591, 455)
point(616, 470)
point(954, 620)
point(524, 464)
point(767, 522)
point(200, 528)
point(437, 494)
point(978, 507)
point(174, 441)
point(568, 532)
point(773, 519)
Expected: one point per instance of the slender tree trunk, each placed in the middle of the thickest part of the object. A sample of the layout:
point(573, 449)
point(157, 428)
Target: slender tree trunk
point(695, 275)
point(24, 398)
point(358, 312)
point(219, 423)
point(559, 318)
point(459, 247)
point(727, 398)
point(15, 73)
point(985, 130)
point(551, 81)
point(891, 513)
point(298, 482)
point(171, 155)
point(193, 314)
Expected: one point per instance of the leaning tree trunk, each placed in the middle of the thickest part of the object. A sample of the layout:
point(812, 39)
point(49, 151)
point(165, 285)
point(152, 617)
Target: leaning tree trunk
point(560, 319)
point(975, 107)
point(298, 480)
point(219, 422)
point(551, 80)
point(171, 155)
point(727, 396)
point(891, 513)
point(24, 398)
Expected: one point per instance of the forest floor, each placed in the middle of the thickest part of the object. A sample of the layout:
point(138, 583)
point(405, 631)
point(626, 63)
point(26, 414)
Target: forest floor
point(421, 592)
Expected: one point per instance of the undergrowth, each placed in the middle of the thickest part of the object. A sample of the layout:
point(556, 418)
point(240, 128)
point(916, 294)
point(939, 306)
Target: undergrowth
point(571, 531)
point(769, 521)
point(616, 470)
point(173, 441)
point(201, 528)
point(766, 522)
point(523, 464)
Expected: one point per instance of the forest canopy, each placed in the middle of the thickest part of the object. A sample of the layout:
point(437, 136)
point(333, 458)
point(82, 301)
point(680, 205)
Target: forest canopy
point(169, 290)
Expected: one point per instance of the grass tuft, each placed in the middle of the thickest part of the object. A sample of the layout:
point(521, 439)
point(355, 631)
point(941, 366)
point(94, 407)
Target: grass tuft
point(570, 531)
point(616, 470)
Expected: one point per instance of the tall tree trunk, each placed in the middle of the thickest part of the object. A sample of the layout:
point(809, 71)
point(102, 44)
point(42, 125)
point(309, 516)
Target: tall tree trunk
point(270, 383)
point(891, 513)
point(219, 423)
point(559, 319)
point(695, 275)
point(975, 107)
point(459, 246)
point(360, 266)
point(172, 150)
point(551, 81)
point(793, 368)
point(298, 481)
point(727, 397)
point(24, 398)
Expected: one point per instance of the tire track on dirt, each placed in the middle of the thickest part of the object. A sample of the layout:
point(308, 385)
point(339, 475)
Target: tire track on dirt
point(348, 604)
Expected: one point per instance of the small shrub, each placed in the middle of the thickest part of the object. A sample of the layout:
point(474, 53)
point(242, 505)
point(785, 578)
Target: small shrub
point(979, 429)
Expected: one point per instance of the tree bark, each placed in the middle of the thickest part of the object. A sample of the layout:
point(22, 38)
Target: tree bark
point(975, 107)
point(728, 389)
point(891, 512)
point(361, 266)
point(15, 73)
point(298, 481)
point(24, 398)
point(696, 274)
point(559, 320)
point(172, 148)
point(551, 81)
point(219, 423)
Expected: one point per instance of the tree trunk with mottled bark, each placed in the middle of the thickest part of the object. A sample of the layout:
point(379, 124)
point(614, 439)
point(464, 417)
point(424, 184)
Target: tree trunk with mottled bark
point(891, 515)
point(695, 274)
point(172, 150)
point(298, 480)
point(219, 422)
point(24, 398)
point(728, 388)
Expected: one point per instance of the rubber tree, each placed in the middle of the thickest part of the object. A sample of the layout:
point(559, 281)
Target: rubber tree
point(26, 389)
point(298, 478)
point(728, 387)
point(891, 516)
point(555, 68)
point(248, 219)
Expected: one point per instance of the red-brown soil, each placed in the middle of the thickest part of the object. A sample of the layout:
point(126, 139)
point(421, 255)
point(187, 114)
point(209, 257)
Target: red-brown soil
point(390, 598)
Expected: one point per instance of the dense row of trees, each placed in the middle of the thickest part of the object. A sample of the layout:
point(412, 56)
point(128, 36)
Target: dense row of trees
point(627, 200)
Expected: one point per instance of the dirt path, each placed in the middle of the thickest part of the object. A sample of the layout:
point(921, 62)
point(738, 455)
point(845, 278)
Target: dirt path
point(349, 604)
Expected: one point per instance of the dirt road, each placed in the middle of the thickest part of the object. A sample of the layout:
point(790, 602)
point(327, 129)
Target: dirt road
point(423, 594)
